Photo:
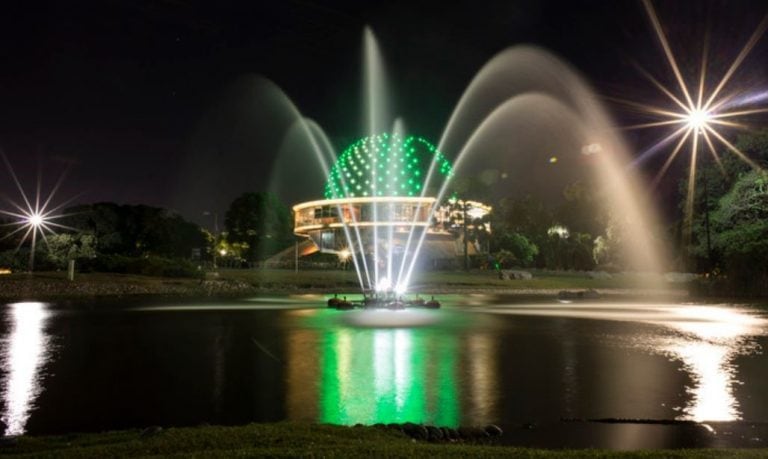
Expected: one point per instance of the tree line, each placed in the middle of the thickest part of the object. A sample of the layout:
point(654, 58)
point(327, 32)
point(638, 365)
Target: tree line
point(141, 239)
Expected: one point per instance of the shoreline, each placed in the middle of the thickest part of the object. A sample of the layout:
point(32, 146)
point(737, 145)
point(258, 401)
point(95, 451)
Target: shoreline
point(237, 285)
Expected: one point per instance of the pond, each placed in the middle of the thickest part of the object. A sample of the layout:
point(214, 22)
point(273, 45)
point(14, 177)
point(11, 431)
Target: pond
point(539, 369)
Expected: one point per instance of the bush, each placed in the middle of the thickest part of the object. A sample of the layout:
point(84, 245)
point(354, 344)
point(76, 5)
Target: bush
point(15, 260)
point(514, 249)
point(146, 266)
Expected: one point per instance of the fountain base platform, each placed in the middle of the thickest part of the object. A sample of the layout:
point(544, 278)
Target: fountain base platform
point(383, 300)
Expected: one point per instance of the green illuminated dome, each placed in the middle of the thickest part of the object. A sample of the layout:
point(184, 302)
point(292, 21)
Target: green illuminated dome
point(385, 165)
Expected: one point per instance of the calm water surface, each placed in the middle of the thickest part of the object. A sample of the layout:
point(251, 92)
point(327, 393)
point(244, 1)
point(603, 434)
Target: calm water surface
point(481, 359)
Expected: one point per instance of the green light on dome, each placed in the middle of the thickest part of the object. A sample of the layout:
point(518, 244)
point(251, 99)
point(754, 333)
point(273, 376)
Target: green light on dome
point(386, 151)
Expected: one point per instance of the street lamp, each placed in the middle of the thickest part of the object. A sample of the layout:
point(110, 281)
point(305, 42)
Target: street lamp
point(31, 222)
point(215, 216)
point(35, 222)
point(34, 215)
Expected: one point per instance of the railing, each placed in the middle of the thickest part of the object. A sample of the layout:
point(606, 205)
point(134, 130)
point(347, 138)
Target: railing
point(361, 212)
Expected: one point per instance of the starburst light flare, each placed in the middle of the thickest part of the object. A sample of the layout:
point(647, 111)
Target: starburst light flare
point(697, 114)
point(34, 219)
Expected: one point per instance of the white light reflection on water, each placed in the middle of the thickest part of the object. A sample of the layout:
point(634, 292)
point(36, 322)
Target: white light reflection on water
point(24, 351)
point(713, 375)
point(712, 337)
point(705, 340)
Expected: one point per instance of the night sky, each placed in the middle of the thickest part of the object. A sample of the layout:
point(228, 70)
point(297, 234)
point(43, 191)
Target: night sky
point(121, 93)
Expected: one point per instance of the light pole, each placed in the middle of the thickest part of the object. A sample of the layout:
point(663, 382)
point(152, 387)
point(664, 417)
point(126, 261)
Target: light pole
point(34, 220)
point(215, 234)
point(706, 225)
point(466, 243)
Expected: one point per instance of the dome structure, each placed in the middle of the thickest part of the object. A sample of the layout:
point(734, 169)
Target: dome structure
point(385, 165)
point(379, 210)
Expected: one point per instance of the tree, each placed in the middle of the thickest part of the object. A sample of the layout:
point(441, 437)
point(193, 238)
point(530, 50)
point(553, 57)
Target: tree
point(713, 181)
point(262, 222)
point(740, 232)
point(7, 241)
point(581, 212)
point(162, 233)
point(137, 230)
point(525, 216)
point(513, 248)
point(102, 220)
point(64, 247)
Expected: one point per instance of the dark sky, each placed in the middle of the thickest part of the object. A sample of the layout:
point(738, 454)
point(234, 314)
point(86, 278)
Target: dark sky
point(120, 91)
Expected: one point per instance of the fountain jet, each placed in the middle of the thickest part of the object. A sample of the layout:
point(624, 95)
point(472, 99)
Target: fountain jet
point(523, 104)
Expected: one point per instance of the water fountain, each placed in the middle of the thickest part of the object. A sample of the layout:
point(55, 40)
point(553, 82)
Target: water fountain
point(526, 116)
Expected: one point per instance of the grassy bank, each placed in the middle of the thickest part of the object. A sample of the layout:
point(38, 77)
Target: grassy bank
point(305, 440)
point(238, 283)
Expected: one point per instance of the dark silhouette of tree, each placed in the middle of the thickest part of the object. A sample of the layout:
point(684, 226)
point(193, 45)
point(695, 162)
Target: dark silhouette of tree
point(261, 221)
point(137, 230)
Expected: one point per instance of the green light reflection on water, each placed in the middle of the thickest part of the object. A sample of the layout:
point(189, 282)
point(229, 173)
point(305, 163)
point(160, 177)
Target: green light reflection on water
point(371, 376)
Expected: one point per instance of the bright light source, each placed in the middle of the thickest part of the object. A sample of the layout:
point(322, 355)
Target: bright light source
point(698, 112)
point(35, 219)
point(344, 255)
point(559, 231)
point(383, 285)
point(698, 119)
point(223, 252)
point(477, 213)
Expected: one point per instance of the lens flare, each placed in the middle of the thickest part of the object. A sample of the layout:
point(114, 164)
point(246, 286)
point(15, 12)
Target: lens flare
point(697, 115)
point(698, 119)
point(34, 219)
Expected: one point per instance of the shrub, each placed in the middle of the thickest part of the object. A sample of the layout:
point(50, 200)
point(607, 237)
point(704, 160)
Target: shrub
point(146, 266)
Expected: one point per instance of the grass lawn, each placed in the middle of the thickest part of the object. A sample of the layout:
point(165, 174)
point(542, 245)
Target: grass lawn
point(305, 440)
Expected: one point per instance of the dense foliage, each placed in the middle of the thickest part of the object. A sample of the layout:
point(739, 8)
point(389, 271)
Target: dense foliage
point(730, 225)
point(526, 233)
point(137, 230)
